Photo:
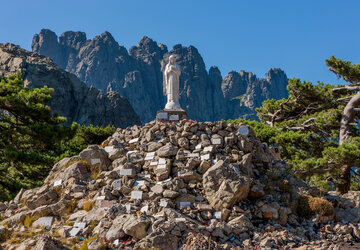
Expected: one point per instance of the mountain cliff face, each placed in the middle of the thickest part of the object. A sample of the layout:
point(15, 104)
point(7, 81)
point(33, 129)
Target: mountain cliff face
point(137, 75)
point(71, 98)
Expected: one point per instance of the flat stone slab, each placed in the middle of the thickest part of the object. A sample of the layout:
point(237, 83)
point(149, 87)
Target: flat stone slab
point(44, 221)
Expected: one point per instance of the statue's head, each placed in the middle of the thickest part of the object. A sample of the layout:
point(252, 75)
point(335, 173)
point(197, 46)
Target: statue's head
point(172, 59)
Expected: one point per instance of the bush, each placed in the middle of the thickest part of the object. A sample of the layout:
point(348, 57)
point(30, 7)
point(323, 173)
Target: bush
point(309, 206)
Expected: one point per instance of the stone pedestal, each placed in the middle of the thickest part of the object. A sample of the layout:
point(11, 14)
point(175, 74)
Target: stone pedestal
point(168, 115)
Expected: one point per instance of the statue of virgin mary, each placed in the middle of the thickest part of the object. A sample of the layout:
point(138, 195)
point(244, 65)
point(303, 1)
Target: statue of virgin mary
point(171, 84)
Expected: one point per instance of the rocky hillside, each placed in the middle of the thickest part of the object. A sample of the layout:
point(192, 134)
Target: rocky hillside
point(182, 185)
point(137, 75)
point(72, 98)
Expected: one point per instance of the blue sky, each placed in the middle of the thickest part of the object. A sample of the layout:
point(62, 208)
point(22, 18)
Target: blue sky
point(296, 36)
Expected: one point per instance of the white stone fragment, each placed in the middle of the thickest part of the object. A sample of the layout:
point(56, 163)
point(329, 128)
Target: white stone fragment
point(80, 225)
point(163, 203)
point(116, 242)
point(109, 148)
point(144, 209)
point(198, 146)
point(128, 207)
point(136, 195)
point(134, 140)
point(57, 183)
point(208, 149)
point(205, 157)
point(74, 231)
point(139, 183)
point(100, 198)
point(180, 219)
point(217, 215)
point(43, 221)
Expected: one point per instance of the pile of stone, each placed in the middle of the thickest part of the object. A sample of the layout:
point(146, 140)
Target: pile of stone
point(177, 185)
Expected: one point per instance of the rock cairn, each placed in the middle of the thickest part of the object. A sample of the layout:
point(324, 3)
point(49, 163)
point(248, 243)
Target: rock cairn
point(178, 185)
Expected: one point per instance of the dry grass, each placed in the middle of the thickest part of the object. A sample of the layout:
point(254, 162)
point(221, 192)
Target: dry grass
point(88, 205)
point(308, 206)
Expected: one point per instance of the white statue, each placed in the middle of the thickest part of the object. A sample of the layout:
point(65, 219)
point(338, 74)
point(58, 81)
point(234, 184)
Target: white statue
point(171, 84)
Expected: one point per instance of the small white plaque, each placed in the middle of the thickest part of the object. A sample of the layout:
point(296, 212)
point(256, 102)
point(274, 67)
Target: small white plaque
point(150, 154)
point(139, 183)
point(144, 208)
point(216, 141)
point(43, 221)
point(149, 158)
point(198, 146)
point(153, 163)
point(100, 198)
point(185, 204)
point(243, 130)
point(208, 149)
point(109, 148)
point(116, 184)
point(163, 203)
point(217, 215)
point(57, 183)
point(136, 195)
point(174, 117)
point(128, 207)
point(180, 219)
point(126, 171)
point(80, 225)
point(193, 155)
point(162, 161)
point(134, 140)
point(162, 115)
point(95, 161)
point(162, 166)
point(205, 157)
point(74, 231)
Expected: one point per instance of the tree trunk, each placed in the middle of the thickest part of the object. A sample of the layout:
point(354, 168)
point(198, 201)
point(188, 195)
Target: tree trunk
point(345, 131)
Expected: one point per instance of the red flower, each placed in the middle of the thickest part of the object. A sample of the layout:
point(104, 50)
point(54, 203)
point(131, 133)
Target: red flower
point(125, 241)
point(194, 234)
point(105, 239)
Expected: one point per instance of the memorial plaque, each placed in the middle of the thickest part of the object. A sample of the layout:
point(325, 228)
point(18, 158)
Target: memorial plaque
point(128, 207)
point(80, 225)
point(74, 231)
point(153, 163)
point(163, 203)
point(208, 149)
point(193, 155)
point(198, 146)
point(217, 215)
point(106, 204)
point(150, 154)
point(162, 166)
point(216, 141)
point(116, 184)
point(205, 157)
point(149, 158)
point(136, 195)
point(126, 171)
point(243, 130)
point(139, 183)
point(57, 183)
point(134, 140)
point(95, 161)
point(185, 204)
point(144, 209)
point(43, 221)
point(162, 116)
point(174, 117)
point(162, 161)
point(109, 148)
point(101, 198)
point(180, 219)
